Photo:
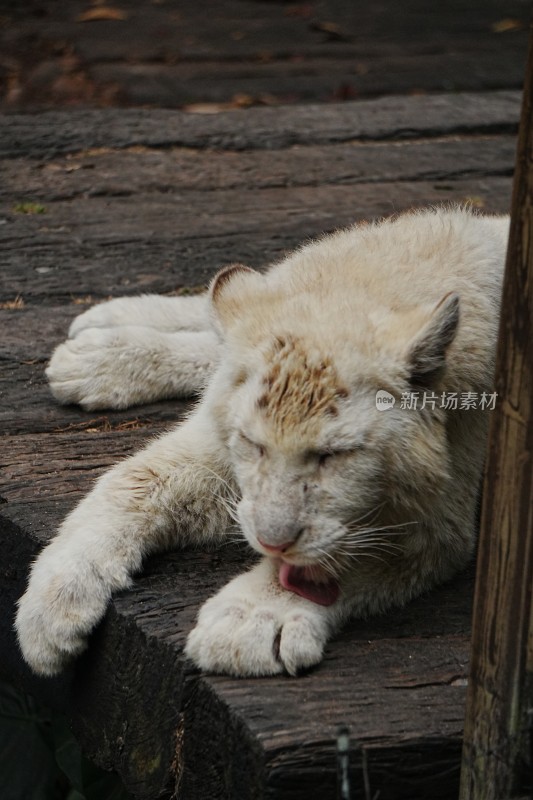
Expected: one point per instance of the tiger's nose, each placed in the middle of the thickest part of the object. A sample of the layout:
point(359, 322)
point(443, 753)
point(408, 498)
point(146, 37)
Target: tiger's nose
point(279, 548)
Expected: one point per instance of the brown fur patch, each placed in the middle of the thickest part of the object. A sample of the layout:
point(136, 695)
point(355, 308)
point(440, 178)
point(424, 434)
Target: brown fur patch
point(299, 388)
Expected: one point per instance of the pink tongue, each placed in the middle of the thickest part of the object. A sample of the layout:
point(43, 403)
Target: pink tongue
point(299, 581)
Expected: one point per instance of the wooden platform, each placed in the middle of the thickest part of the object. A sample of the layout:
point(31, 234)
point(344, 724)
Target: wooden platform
point(102, 203)
point(174, 53)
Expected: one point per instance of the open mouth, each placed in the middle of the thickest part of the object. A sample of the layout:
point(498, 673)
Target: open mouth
point(311, 582)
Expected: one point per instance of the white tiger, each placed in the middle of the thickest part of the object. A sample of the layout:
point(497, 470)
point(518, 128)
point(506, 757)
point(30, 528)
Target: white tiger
point(352, 509)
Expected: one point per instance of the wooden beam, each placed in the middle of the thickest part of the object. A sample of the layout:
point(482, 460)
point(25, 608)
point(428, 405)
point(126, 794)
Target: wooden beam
point(500, 684)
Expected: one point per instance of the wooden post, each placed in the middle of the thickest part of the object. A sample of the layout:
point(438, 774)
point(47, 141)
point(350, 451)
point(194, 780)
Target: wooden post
point(500, 685)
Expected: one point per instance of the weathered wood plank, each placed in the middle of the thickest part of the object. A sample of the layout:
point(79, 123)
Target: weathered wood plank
point(183, 32)
point(113, 173)
point(172, 53)
point(179, 240)
point(61, 464)
point(325, 77)
point(54, 132)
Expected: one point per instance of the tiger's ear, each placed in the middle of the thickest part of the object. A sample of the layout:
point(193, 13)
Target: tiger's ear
point(231, 291)
point(426, 355)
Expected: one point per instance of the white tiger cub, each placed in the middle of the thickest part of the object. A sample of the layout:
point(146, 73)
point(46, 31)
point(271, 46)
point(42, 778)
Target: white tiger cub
point(353, 509)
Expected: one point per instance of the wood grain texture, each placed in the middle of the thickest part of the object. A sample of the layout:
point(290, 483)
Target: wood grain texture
point(164, 204)
point(56, 132)
point(177, 53)
point(500, 694)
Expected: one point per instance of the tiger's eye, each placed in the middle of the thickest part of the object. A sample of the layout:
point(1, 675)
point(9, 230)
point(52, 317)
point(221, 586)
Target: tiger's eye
point(259, 448)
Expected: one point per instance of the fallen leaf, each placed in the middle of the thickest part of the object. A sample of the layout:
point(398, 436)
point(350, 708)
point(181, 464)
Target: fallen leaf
point(93, 151)
point(102, 12)
point(13, 305)
point(240, 100)
point(333, 31)
point(205, 108)
point(506, 25)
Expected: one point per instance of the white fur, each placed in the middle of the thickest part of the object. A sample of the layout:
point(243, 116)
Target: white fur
point(169, 314)
point(127, 365)
point(287, 439)
point(135, 350)
point(252, 627)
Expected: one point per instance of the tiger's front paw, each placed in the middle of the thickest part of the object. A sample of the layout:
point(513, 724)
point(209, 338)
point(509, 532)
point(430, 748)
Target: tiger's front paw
point(56, 615)
point(247, 630)
point(101, 368)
